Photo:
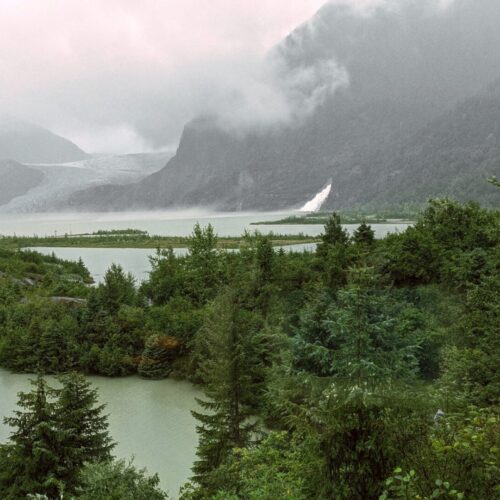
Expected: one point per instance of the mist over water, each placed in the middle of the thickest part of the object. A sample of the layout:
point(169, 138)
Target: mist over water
point(162, 223)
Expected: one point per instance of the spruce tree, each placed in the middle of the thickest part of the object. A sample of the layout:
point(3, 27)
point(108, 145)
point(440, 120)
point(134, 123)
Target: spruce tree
point(226, 343)
point(32, 459)
point(118, 288)
point(334, 235)
point(361, 335)
point(333, 252)
point(53, 440)
point(166, 278)
point(265, 257)
point(81, 419)
point(364, 235)
point(203, 263)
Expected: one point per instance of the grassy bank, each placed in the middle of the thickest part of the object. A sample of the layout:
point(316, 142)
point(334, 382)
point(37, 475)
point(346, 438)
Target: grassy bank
point(134, 239)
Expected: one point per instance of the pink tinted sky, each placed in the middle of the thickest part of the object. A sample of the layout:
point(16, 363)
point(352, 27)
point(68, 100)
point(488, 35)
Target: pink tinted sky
point(120, 75)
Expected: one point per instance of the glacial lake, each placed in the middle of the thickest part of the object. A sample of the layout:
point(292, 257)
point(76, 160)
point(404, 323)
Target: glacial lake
point(164, 223)
point(149, 420)
point(133, 260)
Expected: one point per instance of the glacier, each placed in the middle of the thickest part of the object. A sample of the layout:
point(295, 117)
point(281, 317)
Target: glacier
point(61, 180)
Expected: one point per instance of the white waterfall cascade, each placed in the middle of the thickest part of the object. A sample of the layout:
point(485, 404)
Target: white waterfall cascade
point(314, 205)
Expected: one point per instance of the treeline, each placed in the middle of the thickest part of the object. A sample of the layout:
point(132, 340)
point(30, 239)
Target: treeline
point(366, 369)
point(135, 239)
point(375, 216)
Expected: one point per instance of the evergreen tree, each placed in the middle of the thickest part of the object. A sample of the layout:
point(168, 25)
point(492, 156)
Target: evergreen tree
point(471, 367)
point(333, 253)
point(203, 263)
point(364, 235)
point(166, 278)
point(361, 433)
point(156, 360)
point(85, 427)
point(262, 288)
point(359, 336)
point(265, 258)
point(55, 353)
point(118, 288)
point(33, 459)
point(334, 235)
point(228, 368)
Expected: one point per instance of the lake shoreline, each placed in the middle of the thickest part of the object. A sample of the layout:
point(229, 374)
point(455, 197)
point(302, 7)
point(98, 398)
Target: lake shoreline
point(146, 242)
point(139, 410)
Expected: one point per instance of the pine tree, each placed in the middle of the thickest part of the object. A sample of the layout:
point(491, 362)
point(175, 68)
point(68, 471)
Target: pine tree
point(228, 369)
point(166, 277)
point(34, 463)
point(203, 263)
point(85, 427)
point(333, 252)
point(334, 235)
point(118, 288)
point(364, 235)
point(265, 257)
point(359, 336)
point(157, 357)
point(53, 440)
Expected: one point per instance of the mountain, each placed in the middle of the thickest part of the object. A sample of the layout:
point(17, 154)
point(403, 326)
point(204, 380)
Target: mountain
point(453, 155)
point(28, 143)
point(390, 129)
point(17, 179)
point(56, 183)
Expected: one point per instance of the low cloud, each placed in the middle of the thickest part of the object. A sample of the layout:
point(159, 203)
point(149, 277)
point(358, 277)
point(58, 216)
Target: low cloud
point(118, 138)
point(275, 94)
point(104, 73)
point(123, 75)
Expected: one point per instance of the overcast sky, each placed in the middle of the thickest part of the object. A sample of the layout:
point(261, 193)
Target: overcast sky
point(125, 75)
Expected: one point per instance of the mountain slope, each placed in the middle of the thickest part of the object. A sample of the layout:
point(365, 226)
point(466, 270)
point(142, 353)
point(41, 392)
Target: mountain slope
point(408, 65)
point(17, 180)
point(27, 143)
point(452, 156)
point(60, 181)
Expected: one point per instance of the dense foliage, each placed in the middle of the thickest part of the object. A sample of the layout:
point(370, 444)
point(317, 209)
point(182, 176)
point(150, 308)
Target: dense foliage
point(365, 369)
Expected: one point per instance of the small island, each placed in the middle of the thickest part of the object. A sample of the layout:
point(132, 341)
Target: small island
point(134, 238)
point(320, 218)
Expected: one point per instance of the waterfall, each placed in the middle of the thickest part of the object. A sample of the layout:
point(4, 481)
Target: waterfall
point(315, 204)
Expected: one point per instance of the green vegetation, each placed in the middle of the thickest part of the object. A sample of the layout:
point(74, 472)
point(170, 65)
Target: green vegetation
point(366, 369)
point(348, 217)
point(131, 238)
point(60, 447)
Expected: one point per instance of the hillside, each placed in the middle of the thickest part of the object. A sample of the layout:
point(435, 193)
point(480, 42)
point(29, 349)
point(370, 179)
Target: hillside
point(61, 181)
point(408, 69)
point(29, 143)
point(17, 179)
point(453, 156)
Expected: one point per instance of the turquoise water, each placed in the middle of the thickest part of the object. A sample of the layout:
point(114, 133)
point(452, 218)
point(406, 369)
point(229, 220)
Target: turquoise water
point(150, 420)
point(133, 260)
